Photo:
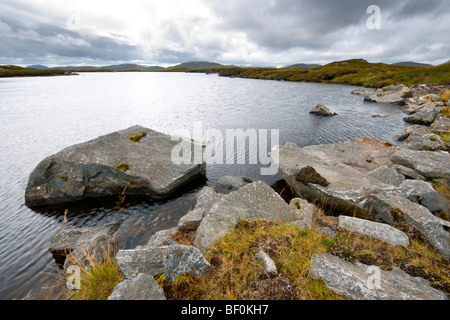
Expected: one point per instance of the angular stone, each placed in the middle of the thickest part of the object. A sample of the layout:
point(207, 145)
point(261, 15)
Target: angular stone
point(425, 117)
point(173, 261)
point(307, 212)
point(142, 287)
point(321, 110)
point(396, 210)
point(267, 263)
point(77, 242)
point(205, 198)
point(159, 237)
point(362, 282)
point(408, 172)
point(375, 230)
point(109, 165)
point(387, 175)
point(191, 220)
point(253, 201)
point(348, 186)
point(428, 163)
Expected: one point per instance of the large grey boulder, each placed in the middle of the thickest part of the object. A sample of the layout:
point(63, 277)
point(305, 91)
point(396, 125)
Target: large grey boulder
point(408, 172)
point(428, 163)
point(112, 164)
point(375, 230)
point(321, 110)
point(142, 287)
point(396, 210)
point(425, 117)
point(81, 244)
point(253, 201)
point(172, 260)
point(362, 282)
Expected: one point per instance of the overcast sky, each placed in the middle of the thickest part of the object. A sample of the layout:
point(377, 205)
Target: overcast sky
point(240, 32)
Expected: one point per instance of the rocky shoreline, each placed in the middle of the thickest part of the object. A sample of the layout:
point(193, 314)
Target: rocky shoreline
point(366, 186)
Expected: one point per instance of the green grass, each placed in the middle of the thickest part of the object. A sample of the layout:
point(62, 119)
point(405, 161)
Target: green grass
point(237, 275)
point(355, 72)
point(15, 71)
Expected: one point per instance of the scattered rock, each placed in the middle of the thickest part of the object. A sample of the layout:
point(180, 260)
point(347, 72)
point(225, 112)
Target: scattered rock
point(428, 163)
point(375, 230)
point(387, 175)
point(329, 221)
point(307, 212)
point(347, 188)
point(408, 172)
point(77, 243)
point(321, 110)
point(396, 210)
point(326, 231)
point(229, 184)
point(110, 165)
point(360, 282)
point(267, 263)
point(173, 261)
point(159, 237)
point(425, 117)
point(142, 287)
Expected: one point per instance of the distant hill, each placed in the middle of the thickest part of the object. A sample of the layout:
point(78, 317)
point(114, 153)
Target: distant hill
point(412, 64)
point(198, 65)
point(302, 65)
point(37, 66)
point(128, 66)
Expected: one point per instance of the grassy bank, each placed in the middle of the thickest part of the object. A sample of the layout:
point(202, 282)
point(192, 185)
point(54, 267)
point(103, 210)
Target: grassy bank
point(351, 72)
point(15, 71)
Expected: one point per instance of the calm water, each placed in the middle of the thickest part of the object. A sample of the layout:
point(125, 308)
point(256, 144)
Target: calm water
point(40, 116)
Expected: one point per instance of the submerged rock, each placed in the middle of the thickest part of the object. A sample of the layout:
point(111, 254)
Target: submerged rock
point(375, 230)
point(136, 161)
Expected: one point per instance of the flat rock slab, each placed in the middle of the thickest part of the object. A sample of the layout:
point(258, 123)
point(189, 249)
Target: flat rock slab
point(362, 282)
point(143, 287)
point(110, 164)
point(375, 230)
point(173, 261)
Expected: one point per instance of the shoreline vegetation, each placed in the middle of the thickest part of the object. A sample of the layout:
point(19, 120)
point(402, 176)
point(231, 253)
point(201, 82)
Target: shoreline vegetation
point(355, 72)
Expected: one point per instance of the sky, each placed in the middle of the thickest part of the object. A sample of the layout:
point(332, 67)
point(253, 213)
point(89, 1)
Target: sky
point(238, 32)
